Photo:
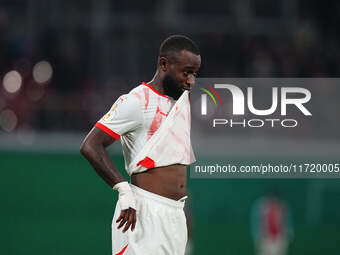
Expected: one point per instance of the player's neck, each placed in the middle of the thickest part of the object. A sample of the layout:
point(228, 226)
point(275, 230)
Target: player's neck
point(157, 83)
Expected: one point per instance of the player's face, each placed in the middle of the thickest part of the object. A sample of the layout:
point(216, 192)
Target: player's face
point(181, 73)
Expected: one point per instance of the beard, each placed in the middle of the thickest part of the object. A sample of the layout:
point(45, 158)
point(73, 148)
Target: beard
point(171, 87)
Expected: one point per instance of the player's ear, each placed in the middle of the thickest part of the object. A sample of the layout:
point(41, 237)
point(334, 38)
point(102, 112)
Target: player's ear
point(163, 63)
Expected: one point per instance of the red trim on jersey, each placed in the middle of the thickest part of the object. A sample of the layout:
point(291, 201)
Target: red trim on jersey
point(122, 251)
point(148, 85)
point(107, 130)
point(147, 163)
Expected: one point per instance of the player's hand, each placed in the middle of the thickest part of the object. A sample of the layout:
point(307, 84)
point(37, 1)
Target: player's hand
point(127, 217)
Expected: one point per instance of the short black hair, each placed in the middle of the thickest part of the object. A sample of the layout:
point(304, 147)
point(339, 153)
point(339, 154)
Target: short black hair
point(177, 43)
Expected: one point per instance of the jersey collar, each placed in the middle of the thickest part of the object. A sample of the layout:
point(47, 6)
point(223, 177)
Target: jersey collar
point(149, 86)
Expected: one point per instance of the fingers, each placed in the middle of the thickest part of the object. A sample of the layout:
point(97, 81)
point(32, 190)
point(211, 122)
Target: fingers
point(134, 221)
point(127, 216)
point(128, 223)
point(124, 215)
point(121, 216)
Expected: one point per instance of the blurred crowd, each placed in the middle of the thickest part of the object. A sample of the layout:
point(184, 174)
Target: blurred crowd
point(63, 63)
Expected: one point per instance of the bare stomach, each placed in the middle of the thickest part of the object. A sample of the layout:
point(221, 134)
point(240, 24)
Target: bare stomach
point(168, 181)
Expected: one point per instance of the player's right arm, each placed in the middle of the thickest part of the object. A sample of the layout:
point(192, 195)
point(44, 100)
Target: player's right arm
point(122, 118)
point(93, 149)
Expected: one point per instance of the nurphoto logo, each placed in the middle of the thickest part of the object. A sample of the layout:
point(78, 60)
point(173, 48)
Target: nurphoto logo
point(281, 98)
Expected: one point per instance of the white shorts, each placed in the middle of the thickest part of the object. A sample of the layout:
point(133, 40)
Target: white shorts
point(160, 228)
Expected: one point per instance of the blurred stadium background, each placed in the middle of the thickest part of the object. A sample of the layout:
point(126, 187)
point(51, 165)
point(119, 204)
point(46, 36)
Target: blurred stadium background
point(62, 65)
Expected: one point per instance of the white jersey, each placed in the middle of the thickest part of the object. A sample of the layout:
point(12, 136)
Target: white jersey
point(134, 118)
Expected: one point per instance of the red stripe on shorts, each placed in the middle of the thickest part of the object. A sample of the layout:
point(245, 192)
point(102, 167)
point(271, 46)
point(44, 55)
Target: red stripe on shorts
point(122, 251)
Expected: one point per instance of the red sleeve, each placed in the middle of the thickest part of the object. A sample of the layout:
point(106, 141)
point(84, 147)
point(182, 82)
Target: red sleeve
point(107, 130)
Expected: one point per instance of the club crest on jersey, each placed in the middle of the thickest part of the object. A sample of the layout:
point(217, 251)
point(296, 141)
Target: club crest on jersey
point(110, 112)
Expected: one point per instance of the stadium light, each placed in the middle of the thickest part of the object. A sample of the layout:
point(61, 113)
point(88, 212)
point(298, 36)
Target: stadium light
point(42, 72)
point(12, 81)
point(8, 120)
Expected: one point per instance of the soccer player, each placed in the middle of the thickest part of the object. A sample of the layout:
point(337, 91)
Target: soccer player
point(271, 225)
point(149, 217)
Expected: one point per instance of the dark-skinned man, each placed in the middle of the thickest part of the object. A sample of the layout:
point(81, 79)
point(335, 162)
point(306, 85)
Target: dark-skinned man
point(155, 136)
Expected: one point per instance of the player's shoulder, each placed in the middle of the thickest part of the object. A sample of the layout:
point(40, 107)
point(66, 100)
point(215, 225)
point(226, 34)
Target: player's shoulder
point(126, 106)
point(139, 90)
point(131, 100)
point(139, 93)
point(145, 91)
point(132, 95)
point(128, 100)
